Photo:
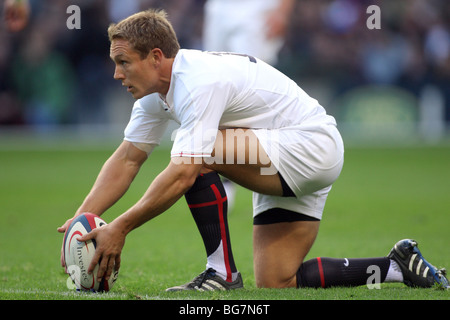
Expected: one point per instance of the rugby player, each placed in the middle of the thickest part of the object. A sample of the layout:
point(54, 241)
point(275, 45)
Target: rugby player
point(240, 118)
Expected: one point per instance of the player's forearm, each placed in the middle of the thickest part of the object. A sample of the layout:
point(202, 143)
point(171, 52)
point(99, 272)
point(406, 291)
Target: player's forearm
point(169, 186)
point(111, 184)
point(107, 189)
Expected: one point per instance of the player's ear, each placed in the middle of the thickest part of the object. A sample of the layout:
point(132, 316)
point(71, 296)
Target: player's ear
point(156, 56)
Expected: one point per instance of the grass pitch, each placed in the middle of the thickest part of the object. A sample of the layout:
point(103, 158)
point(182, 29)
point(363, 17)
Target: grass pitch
point(382, 196)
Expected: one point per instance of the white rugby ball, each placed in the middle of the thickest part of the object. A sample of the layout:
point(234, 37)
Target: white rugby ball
point(78, 255)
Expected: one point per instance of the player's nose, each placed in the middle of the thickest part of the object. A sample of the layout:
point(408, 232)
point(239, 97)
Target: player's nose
point(118, 75)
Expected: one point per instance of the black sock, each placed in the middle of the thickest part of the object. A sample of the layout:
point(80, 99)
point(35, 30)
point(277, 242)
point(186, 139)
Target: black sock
point(330, 272)
point(208, 204)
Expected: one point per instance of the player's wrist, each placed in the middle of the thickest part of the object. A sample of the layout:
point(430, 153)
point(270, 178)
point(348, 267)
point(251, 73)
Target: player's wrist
point(124, 224)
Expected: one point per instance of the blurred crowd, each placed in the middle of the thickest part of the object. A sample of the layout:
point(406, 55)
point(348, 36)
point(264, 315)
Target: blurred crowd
point(52, 75)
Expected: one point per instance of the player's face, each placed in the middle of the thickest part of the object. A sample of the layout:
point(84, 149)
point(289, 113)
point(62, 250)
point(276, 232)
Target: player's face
point(140, 76)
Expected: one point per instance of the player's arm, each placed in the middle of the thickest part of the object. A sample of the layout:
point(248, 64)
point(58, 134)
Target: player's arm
point(171, 184)
point(113, 180)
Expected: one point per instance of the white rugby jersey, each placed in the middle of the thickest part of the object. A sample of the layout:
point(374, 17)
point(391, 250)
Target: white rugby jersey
point(211, 91)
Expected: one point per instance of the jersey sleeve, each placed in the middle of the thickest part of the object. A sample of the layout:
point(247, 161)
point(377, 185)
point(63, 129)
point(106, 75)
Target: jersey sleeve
point(199, 111)
point(148, 121)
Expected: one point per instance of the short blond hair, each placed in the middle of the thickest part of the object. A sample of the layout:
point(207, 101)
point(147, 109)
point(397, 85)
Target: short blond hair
point(145, 31)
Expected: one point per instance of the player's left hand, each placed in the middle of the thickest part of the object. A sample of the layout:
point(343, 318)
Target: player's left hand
point(110, 243)
point(63, 229)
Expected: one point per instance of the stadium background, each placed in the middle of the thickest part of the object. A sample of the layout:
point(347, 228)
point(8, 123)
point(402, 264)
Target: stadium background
point(62, 114)
point(392, 82)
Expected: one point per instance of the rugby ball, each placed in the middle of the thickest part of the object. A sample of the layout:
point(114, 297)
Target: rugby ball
point(78, 255)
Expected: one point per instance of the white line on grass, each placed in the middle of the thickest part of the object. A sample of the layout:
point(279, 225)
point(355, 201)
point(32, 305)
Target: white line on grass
point(67, 294)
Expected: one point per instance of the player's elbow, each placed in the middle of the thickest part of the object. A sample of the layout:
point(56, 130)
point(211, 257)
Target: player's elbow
point(185, 183)
point(185, 174)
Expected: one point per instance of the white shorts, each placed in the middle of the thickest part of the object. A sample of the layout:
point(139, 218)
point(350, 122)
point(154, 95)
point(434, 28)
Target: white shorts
point(309, 159)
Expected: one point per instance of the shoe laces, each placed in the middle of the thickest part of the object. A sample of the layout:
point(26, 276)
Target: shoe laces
point(442, 279)
point(198, 282)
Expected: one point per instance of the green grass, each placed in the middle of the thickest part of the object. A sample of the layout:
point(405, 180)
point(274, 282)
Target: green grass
point(382, 196)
